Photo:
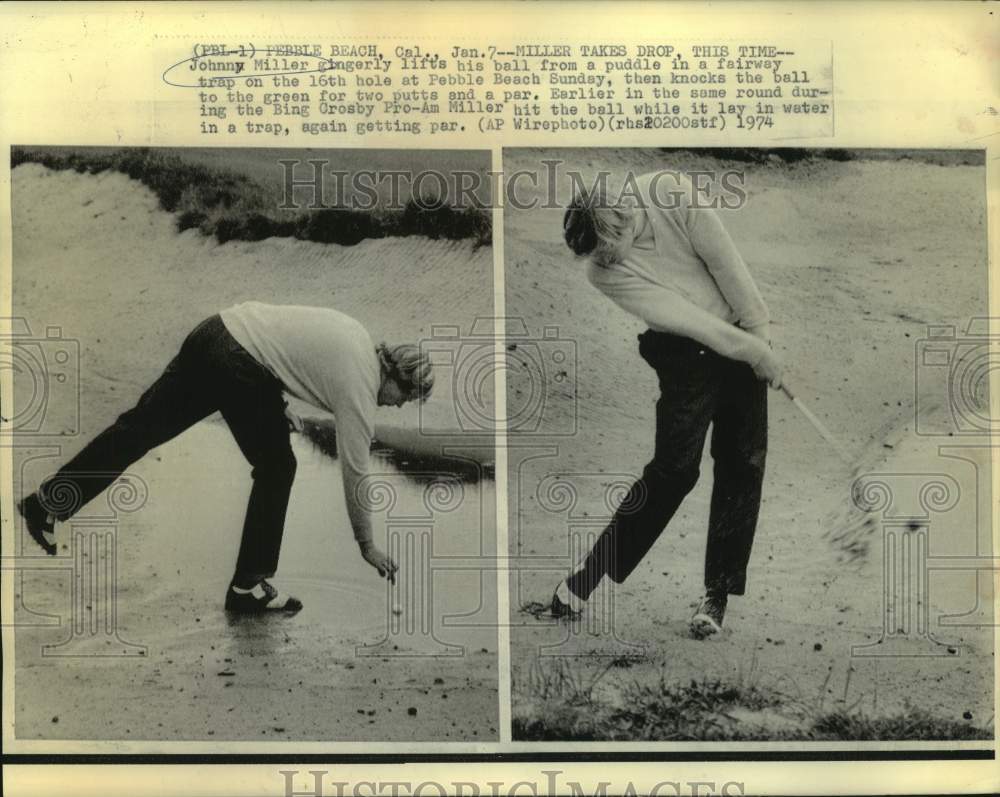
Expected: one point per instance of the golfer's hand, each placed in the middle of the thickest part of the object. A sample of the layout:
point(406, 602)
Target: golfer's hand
point(384, 564)
point(769, 369)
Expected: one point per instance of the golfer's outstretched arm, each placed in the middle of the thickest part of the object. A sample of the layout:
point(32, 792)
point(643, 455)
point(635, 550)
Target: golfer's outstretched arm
point(355, 490)
point(711, 241)
point(354, 442)
point(354, 439)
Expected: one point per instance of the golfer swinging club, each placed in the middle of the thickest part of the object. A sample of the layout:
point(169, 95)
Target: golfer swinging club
point(671, 263)
point(239, 362)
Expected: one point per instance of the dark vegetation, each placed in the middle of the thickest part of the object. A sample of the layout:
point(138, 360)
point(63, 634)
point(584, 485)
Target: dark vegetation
point(787, 155)
point(231, 206)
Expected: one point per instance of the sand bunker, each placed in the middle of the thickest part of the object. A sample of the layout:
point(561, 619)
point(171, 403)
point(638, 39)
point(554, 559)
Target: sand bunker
point(856, 261)
point(95, 256)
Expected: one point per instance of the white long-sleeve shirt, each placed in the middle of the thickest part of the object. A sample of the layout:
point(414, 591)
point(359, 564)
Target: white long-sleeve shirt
point(327, 359)
point(686, 278)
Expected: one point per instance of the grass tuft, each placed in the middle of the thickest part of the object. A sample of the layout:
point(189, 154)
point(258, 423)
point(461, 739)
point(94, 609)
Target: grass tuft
point(559, 703)
point(910, 725)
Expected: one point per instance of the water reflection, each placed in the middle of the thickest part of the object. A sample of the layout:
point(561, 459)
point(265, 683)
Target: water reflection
point(420, 454)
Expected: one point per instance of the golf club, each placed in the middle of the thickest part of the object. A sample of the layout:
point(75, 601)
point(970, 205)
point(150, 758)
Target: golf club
point(818, 426)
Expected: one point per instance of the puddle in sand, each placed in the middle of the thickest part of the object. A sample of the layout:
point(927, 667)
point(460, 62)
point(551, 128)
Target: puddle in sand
point(198, 487)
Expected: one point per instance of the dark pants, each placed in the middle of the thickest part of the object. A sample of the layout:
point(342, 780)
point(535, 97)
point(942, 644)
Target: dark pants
point(697, 387)
point(211, 372)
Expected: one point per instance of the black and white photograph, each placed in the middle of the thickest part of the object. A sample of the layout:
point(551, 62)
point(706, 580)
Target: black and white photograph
point(247, 506)
point(749, 485)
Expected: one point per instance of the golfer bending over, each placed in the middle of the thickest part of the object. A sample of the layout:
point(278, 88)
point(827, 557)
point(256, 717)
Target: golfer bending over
point(672, 264)
point(239, 362)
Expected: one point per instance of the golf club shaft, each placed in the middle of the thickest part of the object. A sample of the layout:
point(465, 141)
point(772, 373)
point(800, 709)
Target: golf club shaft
point(818, 426)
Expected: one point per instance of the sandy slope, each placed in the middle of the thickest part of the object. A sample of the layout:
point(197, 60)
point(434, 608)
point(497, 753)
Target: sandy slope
point(95, 256)
point(855, 261)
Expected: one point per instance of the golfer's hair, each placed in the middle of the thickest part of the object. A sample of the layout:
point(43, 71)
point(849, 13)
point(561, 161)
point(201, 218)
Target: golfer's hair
point(593, 225)
point(409, 365)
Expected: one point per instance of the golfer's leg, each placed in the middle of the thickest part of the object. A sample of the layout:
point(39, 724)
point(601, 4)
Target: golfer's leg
point(739, 448)
point(689, 385)
point(172, 403)
point(257, 420)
